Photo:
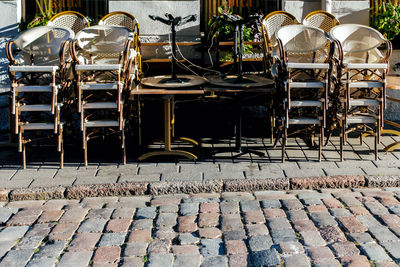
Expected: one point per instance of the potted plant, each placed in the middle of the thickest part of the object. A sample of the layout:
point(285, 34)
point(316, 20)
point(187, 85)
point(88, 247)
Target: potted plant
point(387, 20)
point(46, 13)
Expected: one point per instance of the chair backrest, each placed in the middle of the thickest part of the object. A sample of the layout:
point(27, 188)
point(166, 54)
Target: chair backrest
point(43, 40)
point(359, 43)
point(120, 18)
point(272, 23)
point(304, 43)
point(321, 19)
point(70, 20)
point(102, 41)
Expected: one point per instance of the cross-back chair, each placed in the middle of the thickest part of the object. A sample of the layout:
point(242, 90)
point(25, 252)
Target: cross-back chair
point(38, 73)
point(69, 19)
point(302, 73)
point(321, 19)
point(363, 63)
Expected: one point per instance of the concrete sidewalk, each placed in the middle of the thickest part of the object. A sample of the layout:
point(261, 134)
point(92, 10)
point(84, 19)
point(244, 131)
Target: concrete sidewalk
point(218, 171)
point(334, 227)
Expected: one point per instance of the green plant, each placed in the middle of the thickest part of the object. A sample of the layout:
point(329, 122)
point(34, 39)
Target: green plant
point(46, 12)
point(387, 20)
point(226, 30)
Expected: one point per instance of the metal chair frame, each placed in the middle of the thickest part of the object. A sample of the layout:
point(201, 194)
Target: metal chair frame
point(363, 90)
point(69, 19)
point(321, 19)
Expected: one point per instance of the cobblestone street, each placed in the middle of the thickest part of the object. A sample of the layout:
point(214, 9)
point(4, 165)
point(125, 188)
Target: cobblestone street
point(329, 227)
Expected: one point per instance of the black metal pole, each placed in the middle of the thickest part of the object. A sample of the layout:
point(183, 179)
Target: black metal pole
point(240, 51)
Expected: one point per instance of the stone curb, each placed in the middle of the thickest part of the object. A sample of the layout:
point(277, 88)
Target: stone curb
point(216, 186)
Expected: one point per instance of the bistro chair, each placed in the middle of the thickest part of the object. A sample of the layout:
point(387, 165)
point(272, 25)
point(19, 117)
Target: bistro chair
point(100, 54)
point(363, 63)
point(70, 20)
point(321, 19)
point(270, 25)
point(38, 74)
point(120, 18)
point(302, 71)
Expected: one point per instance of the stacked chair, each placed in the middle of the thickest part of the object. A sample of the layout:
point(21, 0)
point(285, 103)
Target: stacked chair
point(362, 64)
point(70, 20)
point(302, 73)
point(101, 56)
point(38, 73)
point(321, 19)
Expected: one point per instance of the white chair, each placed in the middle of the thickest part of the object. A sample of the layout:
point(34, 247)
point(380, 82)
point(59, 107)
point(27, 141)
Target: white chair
point(363, 62)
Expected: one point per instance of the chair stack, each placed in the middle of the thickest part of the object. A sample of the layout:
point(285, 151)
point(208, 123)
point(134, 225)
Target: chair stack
point(302, 71)
point(101, 58)
point(362, 68)
point(38, 74)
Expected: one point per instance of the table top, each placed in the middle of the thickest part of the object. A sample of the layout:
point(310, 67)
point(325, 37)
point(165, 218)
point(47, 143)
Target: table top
point(140, 89)
point(393, 82)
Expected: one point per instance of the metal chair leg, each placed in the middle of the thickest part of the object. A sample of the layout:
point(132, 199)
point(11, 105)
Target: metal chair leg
point(85, 146)
point(123, 147)
point(284, 143)
point(342, 130)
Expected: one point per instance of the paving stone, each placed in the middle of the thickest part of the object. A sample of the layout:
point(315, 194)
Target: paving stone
point(186, 224)
point(376, 208)
point(256, 229)
point(112, 239)
point(286, 248)
point(235, 247)
point(103, 213)
point(312, 201)
point(135, 249)
point(50, 250)
point(369, 221)
point(255, 216)
point(217, 261)
point(211, 247)
point(317, 208)
point(186, 209)
point(24, 217)
point(50, 216)
point(165, 233)
point(274, 213)
point(76, 258)
point(393, 248)
point(304, 225)
point(184, 260)
point(361, 238)
point(315, 172)
point(185, 249)
point(231, 222)
point(234, 235)
point(209, 208)
point(188, 238)
point(107, 255)
point(140, 236)
point(210, 232)
point(118, 225)
point(84, 241)
point(374, 252)
point(249, 205)
point(63, 231)
point(350, 201)
point(344, 249)
point(278, 224)
point(271, 204)
point(312, 239)
point(17, 257)
point(340, 213)
point(239, 260)
point(146, 213)
point(323, 219)
point(318, 253)
point(285, 235)
point(5, 214)
point(260, 242)
point(385, 264)
point(355, 261)
point(142, 224)
point(269, 257)
point(42, 262)
point(297, 260)
point(311, 194)
point(168, 208)
point(359, 211)
point(73, 215)
point(352, 225)
point(383, 234)
point(297, 215)
point(92, 226)
point(327, 263)
point(166, 219)
point(292, 204)
point(159, 246)
point(230, 207)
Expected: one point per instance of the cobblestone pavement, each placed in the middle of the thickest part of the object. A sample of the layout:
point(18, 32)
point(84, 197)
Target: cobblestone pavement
point(359, 227)
point(302, 162)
